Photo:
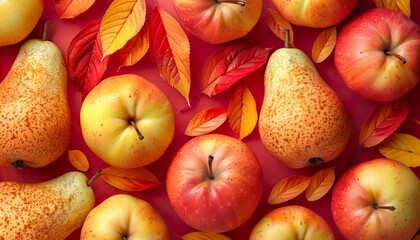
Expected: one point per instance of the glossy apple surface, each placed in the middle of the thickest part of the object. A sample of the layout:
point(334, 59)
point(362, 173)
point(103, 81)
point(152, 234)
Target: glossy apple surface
point(315, 13)
point(123, 216)
point(377, 199)
point(378, 54)
point(18, 19)
point(214, 183)
point(292, 222)
point(218, 21)
point(127, 121)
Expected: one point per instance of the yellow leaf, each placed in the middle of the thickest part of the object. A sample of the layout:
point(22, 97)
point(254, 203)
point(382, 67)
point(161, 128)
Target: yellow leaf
point(206, 121)
point(242, 111)
point(288, 188)
point(401, 147)
point(122, 20)
point(321, 182)
point(324, 44)
point(204, 236)
point(277, 24)
point(130, 179)
point(79, 160)
point(396, 5)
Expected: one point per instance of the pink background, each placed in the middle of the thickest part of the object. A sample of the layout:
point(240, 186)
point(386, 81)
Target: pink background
point(274, 171)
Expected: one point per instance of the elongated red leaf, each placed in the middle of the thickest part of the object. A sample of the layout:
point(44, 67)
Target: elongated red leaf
point(72, 8)
point(170, 51)
point(386, 118)
point(229, 64)
point(206, 121)
point(84, 58)
point(133, 179)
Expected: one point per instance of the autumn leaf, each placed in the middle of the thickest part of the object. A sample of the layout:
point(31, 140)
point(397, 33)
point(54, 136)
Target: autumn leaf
point(132, 179)
point(417, 121)
point(170, 51)
point(78, 160)
point(122, 20)
point(135, 49)
point(396, 5)
point(242, 112)
point(320, 184)
point(324, 44)
point(206, 121)
point(71, 8)
point(229, 64)
point(204, 236)
point(85, 62)
point(288, 188)
point(386, 118)
point(277, 23)
point(401, 147)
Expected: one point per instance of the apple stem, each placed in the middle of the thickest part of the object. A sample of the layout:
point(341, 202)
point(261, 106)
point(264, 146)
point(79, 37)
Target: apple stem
point(210, 163)
point(17, 164)
point(389, 53)
point(286, 38)
point(96, 176)
point(139, 134)
point(391, 208)
point(241, 3)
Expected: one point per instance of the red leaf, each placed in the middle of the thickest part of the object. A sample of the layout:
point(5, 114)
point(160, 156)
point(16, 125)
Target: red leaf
point(229, 64)
point(72, 8)
point(135, 48)
point(386, 118)
point(206, 121)
point(84, 58)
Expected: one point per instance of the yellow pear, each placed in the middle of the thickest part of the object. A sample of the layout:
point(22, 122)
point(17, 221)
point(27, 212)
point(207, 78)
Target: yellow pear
point(302, 120)
point(35, 121)
point(47, 210)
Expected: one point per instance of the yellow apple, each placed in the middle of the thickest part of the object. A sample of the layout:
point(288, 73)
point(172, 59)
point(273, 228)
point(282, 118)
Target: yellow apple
point(18, 19)
point(127, 121)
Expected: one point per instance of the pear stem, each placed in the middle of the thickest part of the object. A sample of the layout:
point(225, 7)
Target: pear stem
point(96, 176)
point(390, 208)
point(403, 60)
point(241, 3)
point(210, 163)
point(286, 38)
point(139, 134)
point(17, 164)
point(45, 30)
point(315, 160)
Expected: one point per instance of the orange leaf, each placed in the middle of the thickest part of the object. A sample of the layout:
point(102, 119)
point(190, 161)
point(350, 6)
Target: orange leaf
point(324, 44)
point(170, 51)
point(122, 20)
point(230, 64)
point(79, 160)
point(321, 182)
point(404, 148)
point(277, 23)
point(72, 8)
point(204, 236)
point(133, 179)
point(242, 111)
point(206, 121)
point(417, 121)
point(396, 5)
point(135, 48)
point(386, 118)
point(288, 188)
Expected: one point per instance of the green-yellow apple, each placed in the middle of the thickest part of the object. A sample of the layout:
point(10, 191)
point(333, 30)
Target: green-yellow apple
point(377, 199)
point(315, 13)
point(123, 216)
point(127, 121)
point(378, 54)
point(18, 19)
point(292, 222)
point(218, 21)
point(214, 183)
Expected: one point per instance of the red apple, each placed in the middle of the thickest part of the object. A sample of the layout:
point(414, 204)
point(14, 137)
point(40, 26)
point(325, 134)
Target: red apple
point(218, 21)
point(214, 183)
point(377, 199)
point(378, 54)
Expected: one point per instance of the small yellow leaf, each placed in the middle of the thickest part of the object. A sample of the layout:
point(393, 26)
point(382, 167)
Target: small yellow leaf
point(288, 188)
point(401, 147)
point(204, 236)
point(396, 5)
point(122, 21)
point(277, 24)
point(242, 111)
point(324, 44)
point(321, 182)
point(79, 160)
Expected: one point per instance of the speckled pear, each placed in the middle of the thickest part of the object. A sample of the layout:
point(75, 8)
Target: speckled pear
point(302, 120)
point(48, 210)
point(35, 121)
